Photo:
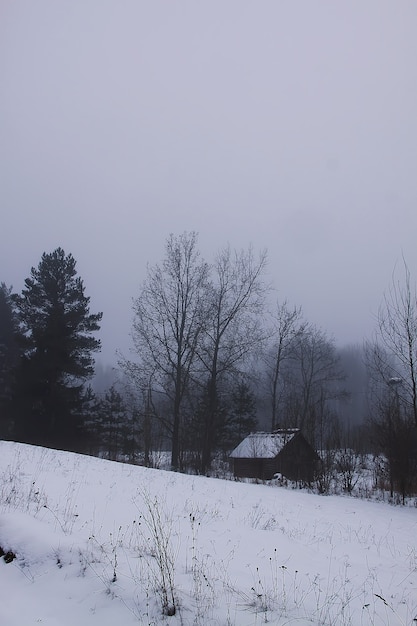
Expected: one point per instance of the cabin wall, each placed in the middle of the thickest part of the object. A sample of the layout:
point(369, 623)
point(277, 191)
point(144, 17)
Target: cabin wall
point(248, 468)
point(297, 461)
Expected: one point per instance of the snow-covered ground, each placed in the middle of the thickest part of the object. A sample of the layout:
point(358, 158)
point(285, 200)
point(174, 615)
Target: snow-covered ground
point(107, 544)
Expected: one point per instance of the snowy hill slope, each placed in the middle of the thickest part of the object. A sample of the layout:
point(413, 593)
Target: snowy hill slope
point(101, 543)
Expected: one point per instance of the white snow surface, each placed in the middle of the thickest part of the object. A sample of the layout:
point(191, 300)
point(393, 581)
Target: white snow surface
point(262, 445)
point(236, 553)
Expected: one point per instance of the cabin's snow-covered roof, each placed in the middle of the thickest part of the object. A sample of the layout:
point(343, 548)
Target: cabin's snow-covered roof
point(263, 445)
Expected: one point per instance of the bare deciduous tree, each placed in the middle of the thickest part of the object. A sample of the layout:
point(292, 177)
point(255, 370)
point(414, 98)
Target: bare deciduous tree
point(392, 367)
point(169, 316)
point(397, 332)
point(287, 324)
point(314, 381)
point(232, 327)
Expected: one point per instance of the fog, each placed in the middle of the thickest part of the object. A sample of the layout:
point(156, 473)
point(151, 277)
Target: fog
point(287, 125)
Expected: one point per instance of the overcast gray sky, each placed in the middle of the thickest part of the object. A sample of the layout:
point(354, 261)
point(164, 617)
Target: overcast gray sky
point(288, 124)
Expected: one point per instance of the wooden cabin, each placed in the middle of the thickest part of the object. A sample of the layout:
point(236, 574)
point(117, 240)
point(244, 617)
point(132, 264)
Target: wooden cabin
point(285, 451)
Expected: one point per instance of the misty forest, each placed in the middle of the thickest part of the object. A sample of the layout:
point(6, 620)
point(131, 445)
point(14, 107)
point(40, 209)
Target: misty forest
point(215, 356)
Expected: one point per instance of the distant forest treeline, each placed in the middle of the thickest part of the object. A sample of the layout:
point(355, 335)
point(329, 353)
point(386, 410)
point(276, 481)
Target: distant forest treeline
point(213, 362)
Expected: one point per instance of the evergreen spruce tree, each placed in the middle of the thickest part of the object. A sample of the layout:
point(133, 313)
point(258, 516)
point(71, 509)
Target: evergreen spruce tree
point(9, 353)
point(241, 419)
point(57, 346)
point(113, 424)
